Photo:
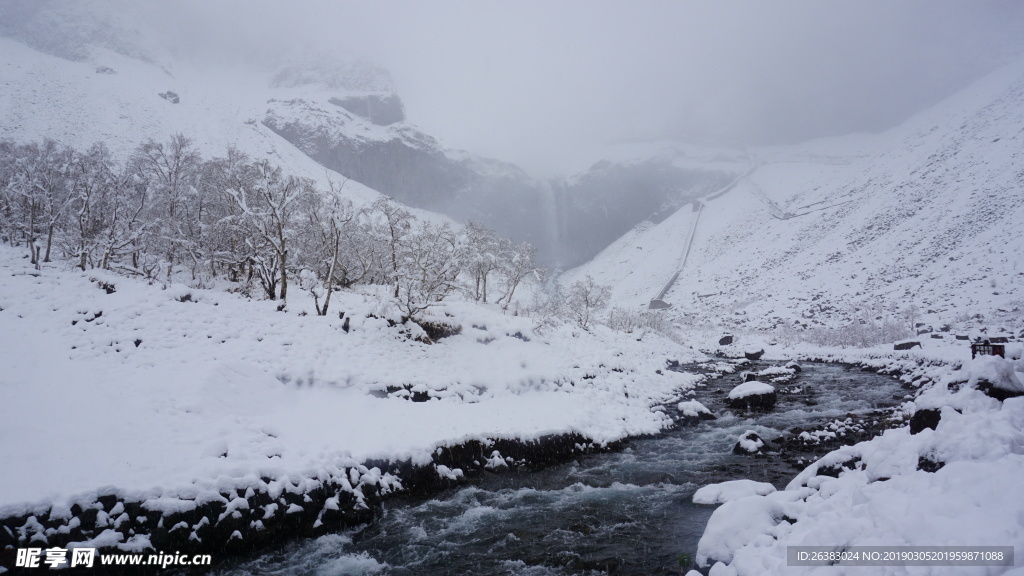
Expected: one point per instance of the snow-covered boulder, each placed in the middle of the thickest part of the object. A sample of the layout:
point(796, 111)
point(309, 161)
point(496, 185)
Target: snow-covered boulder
point(754, 354)
point(753, 395)
point(732, 490)
point(735, 524)
point(995, 377)
point(693, 412)
point(725, 340)
point(749, 443)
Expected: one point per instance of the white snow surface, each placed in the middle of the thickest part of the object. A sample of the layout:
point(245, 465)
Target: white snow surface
point(995, 371)
point(221, 390)
point(731, 490)
point(751, 388)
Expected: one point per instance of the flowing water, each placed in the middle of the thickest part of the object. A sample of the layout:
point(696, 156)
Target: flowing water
point(625, 512)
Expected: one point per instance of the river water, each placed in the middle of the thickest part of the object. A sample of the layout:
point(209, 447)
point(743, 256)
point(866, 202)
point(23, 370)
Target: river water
point(625, 512)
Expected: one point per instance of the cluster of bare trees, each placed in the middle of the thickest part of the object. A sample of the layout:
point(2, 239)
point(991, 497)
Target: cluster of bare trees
point(168, 211)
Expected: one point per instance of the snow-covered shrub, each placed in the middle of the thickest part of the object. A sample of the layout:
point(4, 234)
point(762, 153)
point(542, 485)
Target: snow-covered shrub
point(584, 300)
point(861, 333)
point(630, 321)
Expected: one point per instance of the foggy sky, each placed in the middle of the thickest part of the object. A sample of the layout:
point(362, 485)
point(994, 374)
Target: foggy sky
point(547, 84)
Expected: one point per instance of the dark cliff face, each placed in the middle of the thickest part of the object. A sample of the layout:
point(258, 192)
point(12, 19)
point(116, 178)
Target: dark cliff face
point(413, 168)
point(410, 170)
point(609, 199)
point(381, 109)
point(568, 222)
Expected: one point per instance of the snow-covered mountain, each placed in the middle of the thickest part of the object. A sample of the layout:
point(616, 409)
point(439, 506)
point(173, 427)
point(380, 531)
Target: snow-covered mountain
point(923, 222)
point(923, 217)
point(81, 72)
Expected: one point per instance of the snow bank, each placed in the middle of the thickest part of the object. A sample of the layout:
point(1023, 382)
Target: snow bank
point(995, 371)
point(958, 484)
point(152, 397)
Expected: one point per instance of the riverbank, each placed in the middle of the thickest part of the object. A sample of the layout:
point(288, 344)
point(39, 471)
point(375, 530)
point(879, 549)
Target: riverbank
point(143, 419)
point(127, 402)
point(950, 478)
point(625, 511)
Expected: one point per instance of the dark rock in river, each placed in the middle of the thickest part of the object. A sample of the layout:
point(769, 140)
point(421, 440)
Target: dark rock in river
point(754, 355)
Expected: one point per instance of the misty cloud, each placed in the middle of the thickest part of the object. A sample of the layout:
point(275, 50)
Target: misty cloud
point(548, 85)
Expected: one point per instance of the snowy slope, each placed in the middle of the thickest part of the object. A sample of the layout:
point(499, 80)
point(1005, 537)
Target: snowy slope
point(149, 392)
point(115, 99)
point(927, 215)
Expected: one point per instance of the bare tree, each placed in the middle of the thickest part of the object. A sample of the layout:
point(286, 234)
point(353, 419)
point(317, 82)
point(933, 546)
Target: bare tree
point(328, 218)
point(38, 184)
point(396, 223)
point(517, 264)
point(171, 171)
point(483, 255)
point(585, 299)
point(127, 231)
point(8, 211)
point(269, 204)
point(92, 180)
point(429, 268)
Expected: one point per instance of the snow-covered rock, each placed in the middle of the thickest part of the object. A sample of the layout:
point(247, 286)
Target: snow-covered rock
point(753, 395)
point(748, 443)
point(731, 490)
point(994, 372)
point(694, 412)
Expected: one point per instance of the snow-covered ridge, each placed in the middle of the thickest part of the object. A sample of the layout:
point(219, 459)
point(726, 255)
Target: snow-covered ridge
point(919, 221)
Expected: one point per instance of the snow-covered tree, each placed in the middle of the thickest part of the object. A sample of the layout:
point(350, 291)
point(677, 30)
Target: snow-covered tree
point(38, 193)
point(328, 217)
point(430, 261)
point(584, 299)
point(483, 257)
point(395, 223)
point(516, 265)
point(268, 206)
point(171, 172)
